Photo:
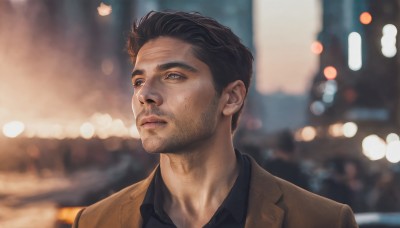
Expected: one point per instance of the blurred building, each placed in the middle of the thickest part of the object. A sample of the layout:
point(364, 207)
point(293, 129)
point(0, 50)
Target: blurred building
point(358, 76)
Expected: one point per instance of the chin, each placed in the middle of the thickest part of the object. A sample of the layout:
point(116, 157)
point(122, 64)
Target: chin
point(152, 147)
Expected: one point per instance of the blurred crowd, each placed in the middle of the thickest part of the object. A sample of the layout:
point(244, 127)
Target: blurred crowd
point(363, 184)
point(344, 179)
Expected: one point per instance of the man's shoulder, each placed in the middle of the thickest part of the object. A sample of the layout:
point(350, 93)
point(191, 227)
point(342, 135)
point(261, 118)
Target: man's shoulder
point(297, 203)
point(294, 193)
point(111, 210)
point(287, 191)
point(116, 199)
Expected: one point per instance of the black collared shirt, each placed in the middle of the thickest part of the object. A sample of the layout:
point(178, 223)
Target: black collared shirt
point(231, 213)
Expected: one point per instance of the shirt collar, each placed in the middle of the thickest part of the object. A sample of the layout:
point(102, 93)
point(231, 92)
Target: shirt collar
point(235, 203)
point(153, 201)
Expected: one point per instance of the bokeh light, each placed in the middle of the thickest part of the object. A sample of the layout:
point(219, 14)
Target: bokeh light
point(104, 10)
point(336, 130)
point(118, 128)
point(350, 129)
point(317, 47)
point(308, 133)
point(317, 108)
point(72, 131)
point(87, 130)
point(13, 129)
point(393, 152)
point(392, 137)
point(134, 132)
point(388, 40)
point(330, 72)
point(374, 147)
point(365, 18)
point(355, 51)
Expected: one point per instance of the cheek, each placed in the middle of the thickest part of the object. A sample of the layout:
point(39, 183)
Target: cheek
point(191, 104)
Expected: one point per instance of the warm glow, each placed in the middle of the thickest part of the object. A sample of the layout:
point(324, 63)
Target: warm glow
point(336, 130)
point(374, 147)
point(308, 133)
point(354, 51)
point(350, 129)
point(57, 131)
point(330, 72)
point(393, 152)
point(102, 124)
point(99, 125)
point(365, 18)
point(68, 214)
point(104, 10)
point(317, 47)
point(134, 132)
point(72, 131)
point(87, 130)
point(118, 128)
point(13, 129)
point(46, 130)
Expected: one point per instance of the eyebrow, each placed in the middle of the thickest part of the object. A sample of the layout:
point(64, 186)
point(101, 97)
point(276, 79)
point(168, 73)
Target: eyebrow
point(167, 66)
point(136, 72)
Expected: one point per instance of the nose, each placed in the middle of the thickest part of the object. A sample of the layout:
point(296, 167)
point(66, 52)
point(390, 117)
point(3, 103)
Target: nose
point(149, 94)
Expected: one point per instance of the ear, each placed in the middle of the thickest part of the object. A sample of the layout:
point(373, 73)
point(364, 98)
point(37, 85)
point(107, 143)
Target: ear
point(234, 95)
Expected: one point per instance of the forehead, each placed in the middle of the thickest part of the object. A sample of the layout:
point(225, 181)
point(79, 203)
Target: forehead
point(166, 49)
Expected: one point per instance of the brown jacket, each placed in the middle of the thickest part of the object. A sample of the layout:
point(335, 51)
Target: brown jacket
point(273, 203)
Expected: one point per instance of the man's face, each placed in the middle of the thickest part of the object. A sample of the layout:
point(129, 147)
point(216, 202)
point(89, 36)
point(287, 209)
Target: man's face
point(174, 102)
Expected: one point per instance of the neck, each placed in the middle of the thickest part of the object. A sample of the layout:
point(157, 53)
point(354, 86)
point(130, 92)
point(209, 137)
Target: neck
point(198, 181)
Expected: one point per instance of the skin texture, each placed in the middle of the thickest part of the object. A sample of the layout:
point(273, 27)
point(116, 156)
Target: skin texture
point(179, 115)
point(184, 100)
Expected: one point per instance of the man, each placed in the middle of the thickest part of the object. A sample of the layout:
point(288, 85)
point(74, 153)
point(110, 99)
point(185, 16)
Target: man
point(190, 79)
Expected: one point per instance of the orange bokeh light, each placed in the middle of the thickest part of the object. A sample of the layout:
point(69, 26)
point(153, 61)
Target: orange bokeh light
point(330, 72)
point(365, 18)
point(317, 47)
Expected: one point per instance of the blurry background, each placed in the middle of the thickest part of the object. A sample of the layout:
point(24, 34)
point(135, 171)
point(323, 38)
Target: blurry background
point(324, 100)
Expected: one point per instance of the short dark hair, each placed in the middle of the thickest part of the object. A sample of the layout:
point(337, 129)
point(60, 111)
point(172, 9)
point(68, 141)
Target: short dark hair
point(214, 44)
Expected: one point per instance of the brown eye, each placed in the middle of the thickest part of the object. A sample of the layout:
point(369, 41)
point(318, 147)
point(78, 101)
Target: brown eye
point(138, 82)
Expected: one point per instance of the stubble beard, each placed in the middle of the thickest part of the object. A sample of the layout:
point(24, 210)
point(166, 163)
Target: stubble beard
point(188, 133)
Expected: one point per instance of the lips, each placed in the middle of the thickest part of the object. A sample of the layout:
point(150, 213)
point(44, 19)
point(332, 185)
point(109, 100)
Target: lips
point(151, 121)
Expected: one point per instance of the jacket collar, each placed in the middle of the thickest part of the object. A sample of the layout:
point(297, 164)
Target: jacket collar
point(264, 194)
point(130, 210)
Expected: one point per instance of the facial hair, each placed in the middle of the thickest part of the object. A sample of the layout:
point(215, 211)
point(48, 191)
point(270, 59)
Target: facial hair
point(188, 133)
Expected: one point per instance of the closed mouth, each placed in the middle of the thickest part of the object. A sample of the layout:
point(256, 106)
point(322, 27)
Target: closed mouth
point(152, 120)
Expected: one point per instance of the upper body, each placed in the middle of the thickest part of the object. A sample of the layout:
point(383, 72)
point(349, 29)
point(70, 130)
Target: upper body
point(272, 202)
point(190, 79)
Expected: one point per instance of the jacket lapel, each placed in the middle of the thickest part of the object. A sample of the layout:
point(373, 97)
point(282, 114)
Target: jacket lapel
point(264, 194)
point(262, 209)
point(130, 210)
